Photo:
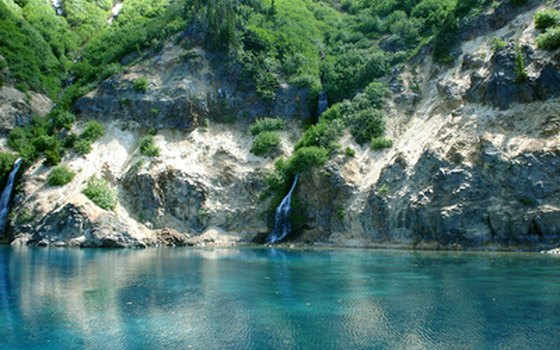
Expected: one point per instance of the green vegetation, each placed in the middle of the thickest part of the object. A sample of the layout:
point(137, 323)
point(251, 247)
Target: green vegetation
point(41, 136)
point(497, 44)
point(380, 143)
point(7, 161)
point(83, 147)
point(520, 70)
point(148, 147)
point(140, 85)
point(383, 190)
point(60, 176)
point(546, 19)
point(549, 40)
point(93, 131)
point(349, 152)
point(266, 143)
point(100, 192)
point(266, 124)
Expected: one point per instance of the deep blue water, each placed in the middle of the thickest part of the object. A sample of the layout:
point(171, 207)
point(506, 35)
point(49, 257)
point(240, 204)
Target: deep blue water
point(277, 299)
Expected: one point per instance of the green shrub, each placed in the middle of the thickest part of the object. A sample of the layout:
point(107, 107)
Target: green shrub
point(93, 131)
point(64, 120)
point(547, 18)
point(140, 84)
point(266, 143)
point(100, 192)
point(549, 40)
point(350, 152)
point(306, 158)
point(325, 134)
point(82, 147)
point(6, 163)
point(367, 124)
point(266, 124)
point(53, 156)
point(148, 147)
point(60, 176)
point(379, 143)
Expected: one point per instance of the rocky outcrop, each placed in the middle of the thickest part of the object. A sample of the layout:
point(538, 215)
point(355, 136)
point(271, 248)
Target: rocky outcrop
point(169, 198)
point(185, 88)
point(82, 224)
point(502, 86)
point(17, 108)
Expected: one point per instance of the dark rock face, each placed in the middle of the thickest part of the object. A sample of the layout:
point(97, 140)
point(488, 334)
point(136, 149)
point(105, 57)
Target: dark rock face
point(183, 92)
point(496, 19)
point(118, 99)
point(170, 192)
point(509, 202)
point(501, 88)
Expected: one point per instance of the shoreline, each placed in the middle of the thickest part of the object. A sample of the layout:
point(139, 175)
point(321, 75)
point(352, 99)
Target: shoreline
point(433, 247)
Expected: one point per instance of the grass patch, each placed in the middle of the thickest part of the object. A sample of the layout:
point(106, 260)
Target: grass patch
point(60, 176)
point(100, 192)
point(148, 147)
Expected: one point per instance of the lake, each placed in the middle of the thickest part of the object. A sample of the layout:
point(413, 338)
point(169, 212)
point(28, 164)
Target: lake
point(242, 298)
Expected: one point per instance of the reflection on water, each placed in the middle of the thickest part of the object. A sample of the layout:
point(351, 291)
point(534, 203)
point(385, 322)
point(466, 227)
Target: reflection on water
point(274, 298)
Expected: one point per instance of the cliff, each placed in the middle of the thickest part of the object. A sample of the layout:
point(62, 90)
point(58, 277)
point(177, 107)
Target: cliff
point(474, 162)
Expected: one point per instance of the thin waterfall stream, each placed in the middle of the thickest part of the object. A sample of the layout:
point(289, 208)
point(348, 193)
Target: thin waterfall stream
point(282, 219)
point(6, 195)
point(323, 103)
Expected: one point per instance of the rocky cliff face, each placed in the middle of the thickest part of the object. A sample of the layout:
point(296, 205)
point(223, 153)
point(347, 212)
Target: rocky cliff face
point(17, 108)
point(474, 163)
point(184, 88)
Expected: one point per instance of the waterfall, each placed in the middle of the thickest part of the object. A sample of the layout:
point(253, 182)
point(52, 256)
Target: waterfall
point(6, 195)
point(282, 222)
point(115, 11)
point(57, 5)
point(323, 103)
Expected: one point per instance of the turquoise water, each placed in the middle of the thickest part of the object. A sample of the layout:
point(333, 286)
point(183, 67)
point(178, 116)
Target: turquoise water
point(277, 299)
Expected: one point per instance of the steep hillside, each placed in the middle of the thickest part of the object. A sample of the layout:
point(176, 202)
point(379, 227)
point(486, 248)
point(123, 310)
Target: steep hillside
point(441, 132)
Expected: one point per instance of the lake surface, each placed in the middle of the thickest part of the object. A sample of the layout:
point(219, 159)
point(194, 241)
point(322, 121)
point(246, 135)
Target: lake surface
point(277, 299)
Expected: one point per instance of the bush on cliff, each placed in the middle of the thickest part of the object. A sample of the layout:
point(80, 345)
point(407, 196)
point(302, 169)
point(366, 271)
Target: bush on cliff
point(546, 19)
point(93, 131)
point(6, 163)
point(266, 124)
point(549, 40)
point(60, 176)
point(100, 192)
point(266, 143)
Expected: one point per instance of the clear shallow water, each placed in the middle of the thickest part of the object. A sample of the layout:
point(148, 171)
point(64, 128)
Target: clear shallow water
point(277, 299)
